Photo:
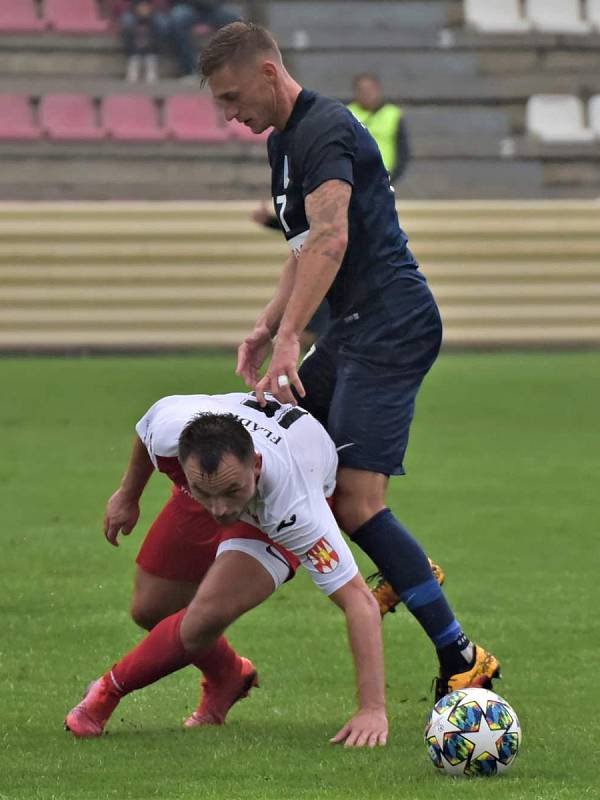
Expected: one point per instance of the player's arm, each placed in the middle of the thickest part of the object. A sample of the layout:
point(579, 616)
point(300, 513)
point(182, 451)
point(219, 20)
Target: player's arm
point(321, 256)
point(318, 263)
point(271, 316)
point(334, 571)
point(123, 507)
point(254, 349)
point(369, 725)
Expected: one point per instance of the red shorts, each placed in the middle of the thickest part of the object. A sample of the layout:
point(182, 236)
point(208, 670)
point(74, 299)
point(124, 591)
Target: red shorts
point(183, 540)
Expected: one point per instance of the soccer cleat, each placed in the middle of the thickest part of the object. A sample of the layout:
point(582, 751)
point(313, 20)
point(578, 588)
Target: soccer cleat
point(217, 699)
point(89, 717)
point(386, 597)
point(485, 668)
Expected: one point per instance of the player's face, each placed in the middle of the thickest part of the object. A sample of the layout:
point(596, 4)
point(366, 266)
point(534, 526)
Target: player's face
point(246, 92)
point(225, 493)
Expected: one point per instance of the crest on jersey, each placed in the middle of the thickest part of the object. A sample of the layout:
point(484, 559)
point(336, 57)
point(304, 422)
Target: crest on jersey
point(323, 557)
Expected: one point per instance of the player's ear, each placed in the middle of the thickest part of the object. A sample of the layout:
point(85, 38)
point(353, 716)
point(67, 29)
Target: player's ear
point(257, 464)
point(269, 71)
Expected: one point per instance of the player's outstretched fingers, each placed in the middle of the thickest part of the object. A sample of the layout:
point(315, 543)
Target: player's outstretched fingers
point(264, 385)
point(340, 735)
point(367, 727)
point(283, 387)
point(298, 386)
point(111, 531)
point(357, 738)
point(378, 738)
point(245, 369)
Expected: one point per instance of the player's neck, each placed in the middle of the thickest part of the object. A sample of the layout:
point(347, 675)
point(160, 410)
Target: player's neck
point(287, 95)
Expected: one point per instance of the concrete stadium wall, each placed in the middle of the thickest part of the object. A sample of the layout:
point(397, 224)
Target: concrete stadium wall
point(145, 276)
point(464, 95)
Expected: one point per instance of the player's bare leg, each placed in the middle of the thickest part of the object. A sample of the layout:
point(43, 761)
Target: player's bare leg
point(234, 584)
point(155, 598)
point(357, 500)
point(359, 495)
point(360, 509)
point(253, 585)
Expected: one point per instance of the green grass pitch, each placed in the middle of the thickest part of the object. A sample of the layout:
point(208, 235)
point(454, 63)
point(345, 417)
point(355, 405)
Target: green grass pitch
point(502, 489)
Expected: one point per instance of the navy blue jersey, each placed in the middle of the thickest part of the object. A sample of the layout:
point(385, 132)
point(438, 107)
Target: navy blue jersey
point(323, 141)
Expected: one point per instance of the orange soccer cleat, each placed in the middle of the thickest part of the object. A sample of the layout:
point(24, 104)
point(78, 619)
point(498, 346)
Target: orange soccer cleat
point(89, 717)
point(485, 668)
point(217, 699)
point(386, 597)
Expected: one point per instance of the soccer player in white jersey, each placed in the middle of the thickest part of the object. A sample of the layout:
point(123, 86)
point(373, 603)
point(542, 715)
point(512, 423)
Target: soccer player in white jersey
point(264, 473)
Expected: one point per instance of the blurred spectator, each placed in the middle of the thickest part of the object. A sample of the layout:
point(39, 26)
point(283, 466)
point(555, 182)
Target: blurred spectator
point(184, 17)
point(384, 121)
point(144, 26)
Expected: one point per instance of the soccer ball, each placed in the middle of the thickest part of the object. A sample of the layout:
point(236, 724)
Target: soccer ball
point(472, 732)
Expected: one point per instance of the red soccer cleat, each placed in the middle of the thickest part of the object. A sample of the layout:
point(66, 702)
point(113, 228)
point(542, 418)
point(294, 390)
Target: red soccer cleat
point(89, 717)
point(217, 699)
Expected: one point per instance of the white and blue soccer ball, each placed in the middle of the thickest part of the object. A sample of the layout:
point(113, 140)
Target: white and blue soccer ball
point(472, 732)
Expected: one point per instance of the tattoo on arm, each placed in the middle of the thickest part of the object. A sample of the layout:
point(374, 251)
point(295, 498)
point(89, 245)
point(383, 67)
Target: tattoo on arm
point(327, 214)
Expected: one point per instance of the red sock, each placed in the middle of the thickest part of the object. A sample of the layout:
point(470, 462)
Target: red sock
point(218, 662)
point(159, 654)
point(162, 653)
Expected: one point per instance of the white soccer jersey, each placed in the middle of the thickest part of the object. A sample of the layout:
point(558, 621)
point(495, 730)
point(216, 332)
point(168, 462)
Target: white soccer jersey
point(299, 463)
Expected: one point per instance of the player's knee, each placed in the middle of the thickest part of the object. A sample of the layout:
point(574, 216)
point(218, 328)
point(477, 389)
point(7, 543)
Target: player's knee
point(146, 616)
point(352, 512)
point(202, 625)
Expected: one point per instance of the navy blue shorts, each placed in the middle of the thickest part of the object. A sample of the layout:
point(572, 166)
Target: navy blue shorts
point(363, 375)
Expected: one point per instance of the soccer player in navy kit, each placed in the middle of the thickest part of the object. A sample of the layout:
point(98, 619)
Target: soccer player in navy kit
point(336, 207)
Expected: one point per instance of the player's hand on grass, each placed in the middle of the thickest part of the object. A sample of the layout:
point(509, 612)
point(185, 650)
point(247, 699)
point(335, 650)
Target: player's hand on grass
point(121, 516)
point(367, 728)
point(252, 354)
point(282, 373)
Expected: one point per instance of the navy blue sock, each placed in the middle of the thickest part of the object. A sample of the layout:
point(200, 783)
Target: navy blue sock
point(404, 564)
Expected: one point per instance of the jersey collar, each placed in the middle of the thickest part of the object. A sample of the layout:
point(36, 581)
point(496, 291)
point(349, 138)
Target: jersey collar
point(302, 101)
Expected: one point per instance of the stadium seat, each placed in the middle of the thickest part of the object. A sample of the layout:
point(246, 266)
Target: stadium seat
point(69, 116)
point(16, 118)
point(74, 16)
point(243, 134)
point(131, 117)
point(557, 118)
point(501, 16)
point(593, 13)
point(556, 16)
point(193, 118)
point(594, 114)
point(19, 16)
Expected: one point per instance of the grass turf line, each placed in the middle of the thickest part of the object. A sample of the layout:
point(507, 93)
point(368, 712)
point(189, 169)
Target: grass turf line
point(500, 490)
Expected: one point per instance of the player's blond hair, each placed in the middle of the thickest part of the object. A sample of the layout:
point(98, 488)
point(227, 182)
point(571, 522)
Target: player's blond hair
point(237, 42)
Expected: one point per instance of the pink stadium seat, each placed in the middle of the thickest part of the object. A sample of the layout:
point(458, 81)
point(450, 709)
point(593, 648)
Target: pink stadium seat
point(16, 119)
point(132, 117)
point(19, 15)
point(74, 16)
point(193, 118)
point(244, 134)
point(69, 116)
